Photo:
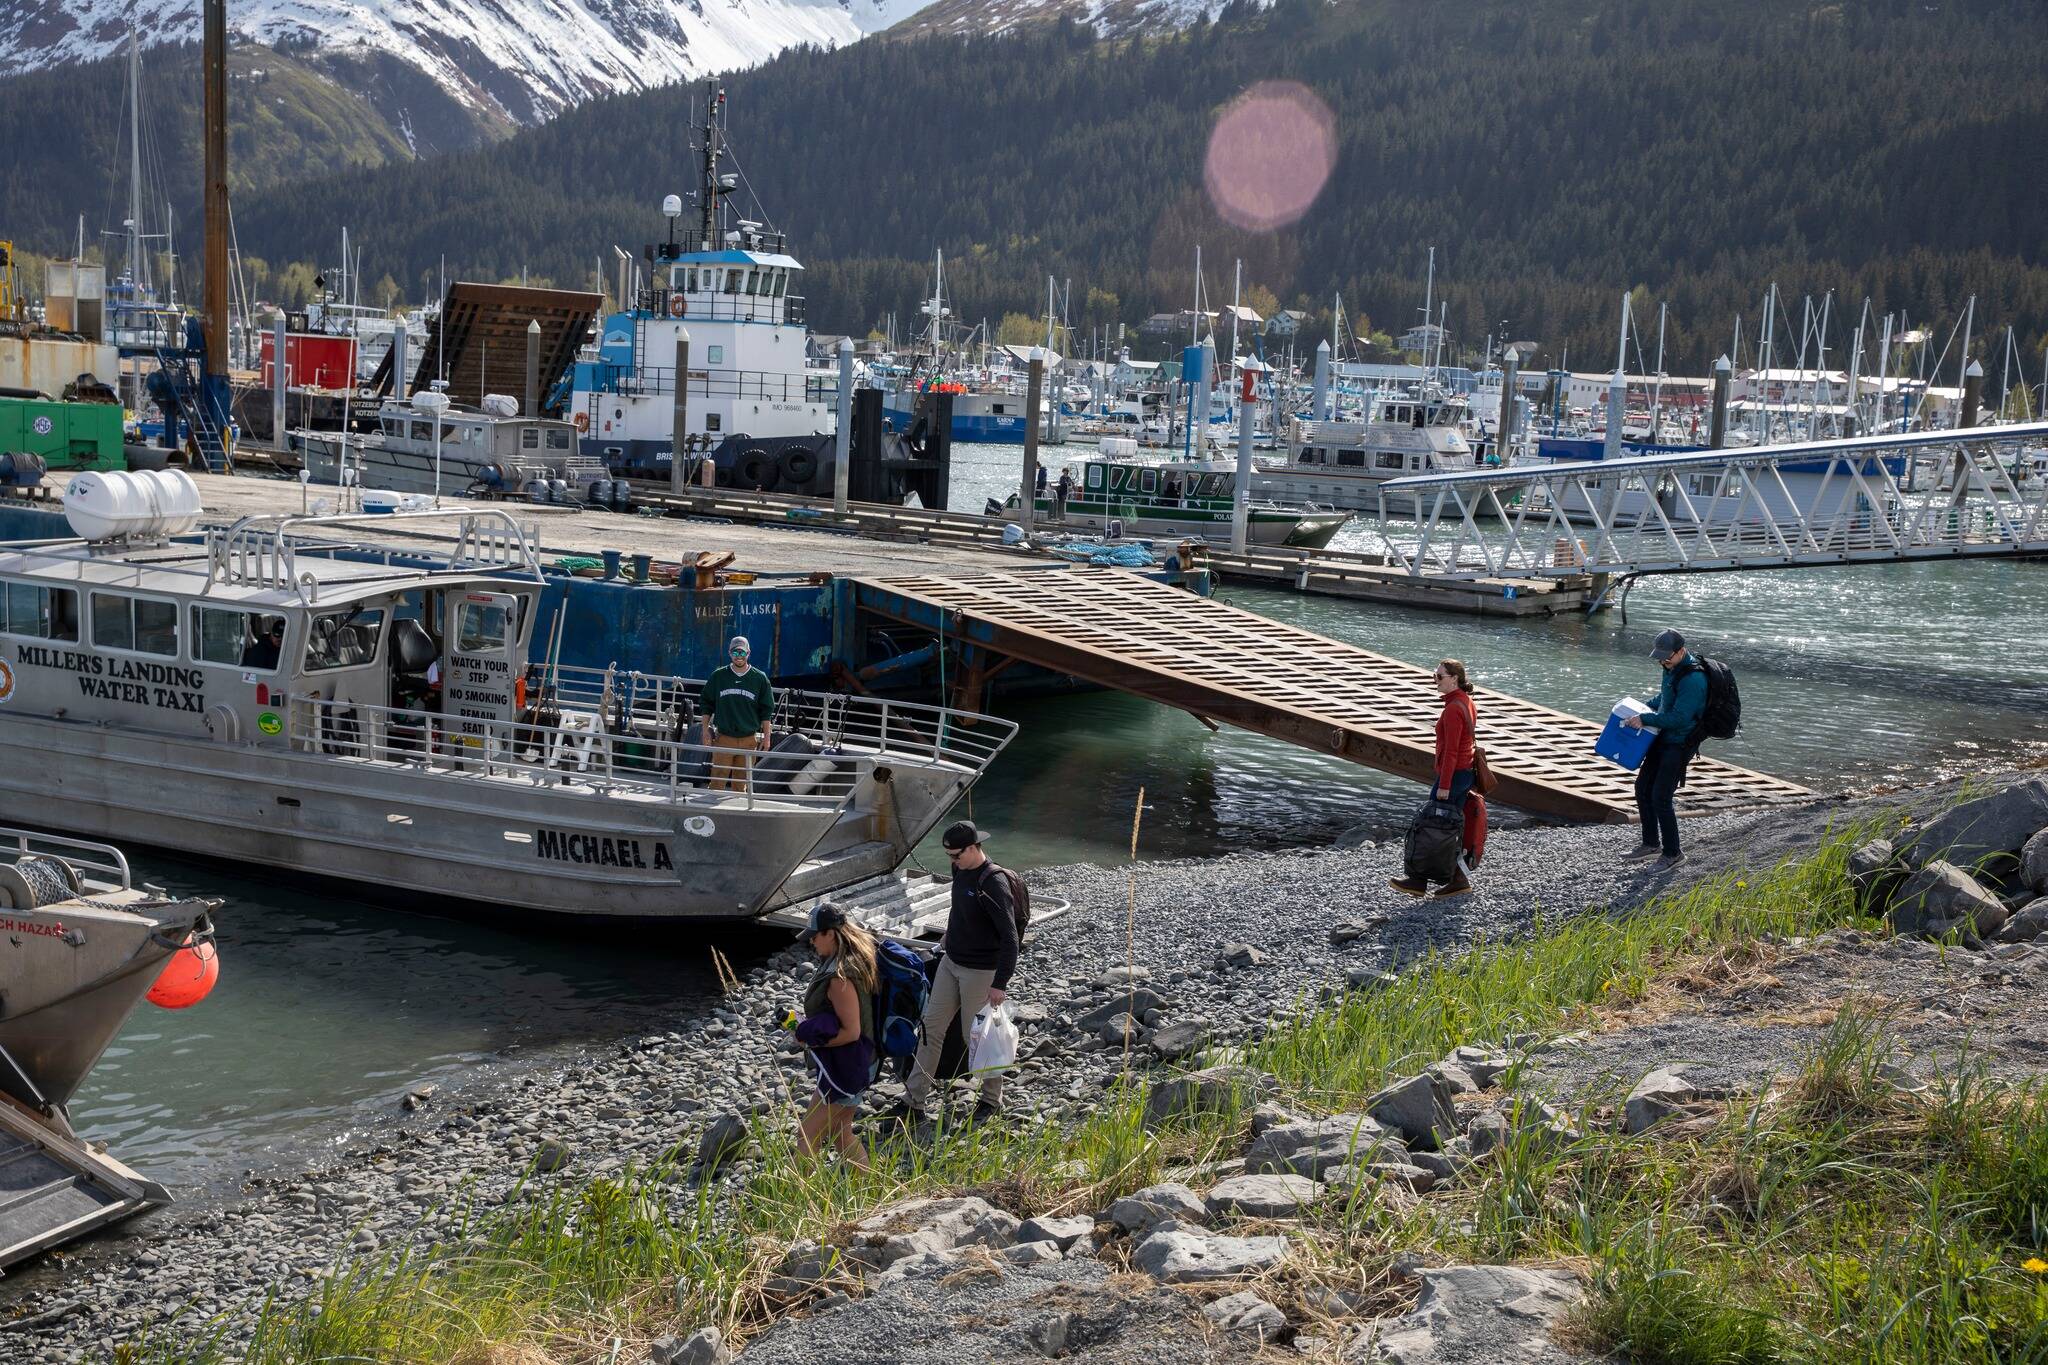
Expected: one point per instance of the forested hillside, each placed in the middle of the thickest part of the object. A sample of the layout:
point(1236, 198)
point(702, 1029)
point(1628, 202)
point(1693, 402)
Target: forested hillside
point(1555, 152)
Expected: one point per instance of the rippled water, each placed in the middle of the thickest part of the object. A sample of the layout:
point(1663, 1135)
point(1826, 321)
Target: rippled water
point(328, 1008)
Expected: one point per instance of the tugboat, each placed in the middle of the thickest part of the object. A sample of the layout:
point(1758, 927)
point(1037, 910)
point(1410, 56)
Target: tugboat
point(80, 945)
point(287, 692)
point(754, 417)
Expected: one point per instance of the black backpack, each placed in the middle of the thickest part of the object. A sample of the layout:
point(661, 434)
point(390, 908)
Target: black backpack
point(1020, 896)
point(1723, 714)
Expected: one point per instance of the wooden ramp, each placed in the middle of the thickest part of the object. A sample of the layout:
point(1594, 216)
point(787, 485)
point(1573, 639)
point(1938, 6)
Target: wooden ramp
point(1121, 630)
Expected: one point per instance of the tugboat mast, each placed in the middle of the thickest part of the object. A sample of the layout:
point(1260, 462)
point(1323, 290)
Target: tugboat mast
point(713, 150)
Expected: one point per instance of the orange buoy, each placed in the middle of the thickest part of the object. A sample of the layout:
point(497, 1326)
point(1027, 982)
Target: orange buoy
point(188, 977)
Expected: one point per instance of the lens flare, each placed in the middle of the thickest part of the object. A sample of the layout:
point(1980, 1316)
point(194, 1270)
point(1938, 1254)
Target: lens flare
point(1270, 155)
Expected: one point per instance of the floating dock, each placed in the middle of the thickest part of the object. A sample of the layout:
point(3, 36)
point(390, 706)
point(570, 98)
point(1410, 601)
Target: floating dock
point(1230, 666)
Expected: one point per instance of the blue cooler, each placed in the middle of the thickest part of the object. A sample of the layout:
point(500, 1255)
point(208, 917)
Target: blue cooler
point(1618, 743)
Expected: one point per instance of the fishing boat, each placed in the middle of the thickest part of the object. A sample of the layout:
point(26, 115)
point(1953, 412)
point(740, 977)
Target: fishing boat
point(418, 449)
point(295, 693)
point(1342, 464)
point(81, 946)
point(1171, 501)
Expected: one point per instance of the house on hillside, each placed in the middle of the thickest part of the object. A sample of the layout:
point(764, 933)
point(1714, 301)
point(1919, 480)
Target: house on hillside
point(1424, 339)
point(1285, 325)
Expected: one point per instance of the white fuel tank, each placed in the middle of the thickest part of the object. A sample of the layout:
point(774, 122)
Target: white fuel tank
point(147, 504)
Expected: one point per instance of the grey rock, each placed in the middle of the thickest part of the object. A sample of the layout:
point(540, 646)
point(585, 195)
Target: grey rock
point(1451, 1078)
point(2034, 863)
point(419, 1097)
point(1415, 1108)
point(1139, 1213)
point(1477, 1313)
point(1063, 1232)
point(1368, 978)
point(2028, 923)
point(1032, 1253)
point(1267, 1117)
point(1209, 1090)
point(1987, 833)
point(929, 1226)
point(1371, 1174)
point(1120, 1029)
point(1124, 975)
point(721, 1141)
point(1656, 1095)
point(1350, 931)
point(1311, 1147)
point(1875, 871)
point(705, 1346)
point(1240, 955)
point(1245, 1311)
point(1264, 1196)
point(1443, 1165)
point(1483, 1065)
point(1049, 1334)
point(1939, 897)
point(1176, 1040)
point(1180, 1257)
point(1133, 1002)
point(553, 1155)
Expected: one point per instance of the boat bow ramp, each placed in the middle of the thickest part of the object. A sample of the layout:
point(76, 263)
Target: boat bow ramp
point(1226, 665)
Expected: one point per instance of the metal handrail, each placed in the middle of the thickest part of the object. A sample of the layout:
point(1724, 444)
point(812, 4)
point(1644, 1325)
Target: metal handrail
point(895, 730)
point(85, 854)
point(576, 750)
point(261, 551)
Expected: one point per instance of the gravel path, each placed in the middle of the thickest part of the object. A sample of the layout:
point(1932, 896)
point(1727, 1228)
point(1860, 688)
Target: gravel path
point(213, 1262)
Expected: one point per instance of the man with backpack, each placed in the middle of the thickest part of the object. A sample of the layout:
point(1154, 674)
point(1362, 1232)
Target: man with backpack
point(1680, 719)
point(979, 950)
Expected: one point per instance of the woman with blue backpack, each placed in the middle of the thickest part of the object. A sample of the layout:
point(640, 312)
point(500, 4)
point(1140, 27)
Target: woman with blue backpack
point(838, 1027)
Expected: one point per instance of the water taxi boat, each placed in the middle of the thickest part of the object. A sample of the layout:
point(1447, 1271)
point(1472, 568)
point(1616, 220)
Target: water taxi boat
point(455, 451)
point(283, 693)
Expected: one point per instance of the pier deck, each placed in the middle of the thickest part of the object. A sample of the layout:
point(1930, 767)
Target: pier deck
point(1121, 630)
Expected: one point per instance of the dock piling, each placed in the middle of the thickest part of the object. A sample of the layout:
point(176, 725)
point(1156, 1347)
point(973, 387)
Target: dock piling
point(531, 406)
point(1717, 427)
point(842, 470)
point(681, 424)
point(1027, 493)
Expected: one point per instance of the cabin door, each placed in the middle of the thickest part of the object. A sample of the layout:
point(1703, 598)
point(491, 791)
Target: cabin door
point(478, 681)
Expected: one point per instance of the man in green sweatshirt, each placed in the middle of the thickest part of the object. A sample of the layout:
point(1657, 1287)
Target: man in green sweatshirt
point(740, 702)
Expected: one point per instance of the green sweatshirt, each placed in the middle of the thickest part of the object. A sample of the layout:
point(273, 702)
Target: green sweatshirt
point(739, 705)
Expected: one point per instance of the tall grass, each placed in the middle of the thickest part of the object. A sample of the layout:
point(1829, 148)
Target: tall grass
point(1840, 1220)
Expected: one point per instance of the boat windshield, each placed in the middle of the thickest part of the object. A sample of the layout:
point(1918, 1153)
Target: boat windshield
point(344, 639)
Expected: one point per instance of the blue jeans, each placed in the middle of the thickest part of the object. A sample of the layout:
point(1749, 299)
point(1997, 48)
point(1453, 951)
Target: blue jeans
point(1656, 791)
point(1461, 786)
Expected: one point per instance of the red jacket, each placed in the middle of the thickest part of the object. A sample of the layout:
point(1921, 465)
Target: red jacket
point(1454, 732)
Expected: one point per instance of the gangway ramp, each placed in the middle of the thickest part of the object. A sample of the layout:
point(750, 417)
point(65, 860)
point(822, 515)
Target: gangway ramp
point(1121, 630)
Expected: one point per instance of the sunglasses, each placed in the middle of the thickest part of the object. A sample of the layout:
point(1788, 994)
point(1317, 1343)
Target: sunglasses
point(955, 852)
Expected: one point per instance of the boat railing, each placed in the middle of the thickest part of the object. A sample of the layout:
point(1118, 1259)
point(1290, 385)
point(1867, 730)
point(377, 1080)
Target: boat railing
point(262, 551)
point(767, 386)
point(103, 863)
point(879, 726)
point(573, 749)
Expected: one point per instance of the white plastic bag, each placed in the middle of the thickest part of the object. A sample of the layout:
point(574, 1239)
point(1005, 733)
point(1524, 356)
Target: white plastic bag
point(992, 1042)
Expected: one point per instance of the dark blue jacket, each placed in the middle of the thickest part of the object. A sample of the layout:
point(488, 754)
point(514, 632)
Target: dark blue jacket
point(1681, 701)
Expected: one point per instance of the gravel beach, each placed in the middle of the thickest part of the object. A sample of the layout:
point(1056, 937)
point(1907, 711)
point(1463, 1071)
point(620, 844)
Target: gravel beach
point(1220, 946)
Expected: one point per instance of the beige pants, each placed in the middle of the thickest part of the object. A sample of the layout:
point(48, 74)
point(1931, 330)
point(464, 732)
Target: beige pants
point(733, 771)
point(958, 993)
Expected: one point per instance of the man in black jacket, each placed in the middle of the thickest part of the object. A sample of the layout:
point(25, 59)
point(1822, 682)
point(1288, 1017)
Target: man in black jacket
point(980, 952)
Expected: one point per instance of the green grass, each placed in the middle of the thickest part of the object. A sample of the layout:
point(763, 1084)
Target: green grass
point(1840, 1219)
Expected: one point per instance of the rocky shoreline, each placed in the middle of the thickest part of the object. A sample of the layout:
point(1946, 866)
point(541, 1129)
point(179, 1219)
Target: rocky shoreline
point(1213, 951)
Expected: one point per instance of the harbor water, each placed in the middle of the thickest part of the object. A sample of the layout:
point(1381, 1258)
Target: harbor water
point(329, 1008)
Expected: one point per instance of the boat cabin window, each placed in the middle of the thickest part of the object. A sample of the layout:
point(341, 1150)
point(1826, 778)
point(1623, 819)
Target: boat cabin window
point(1351, 459)
point(735, 281)
point(141, 625)
point(422, 431)
point(1148, 482)
point(39, 613)
point(711, 421)
point(1387, 459)
point(481, 627)
point(344, 639)
point(1095, 476)
point(529, 438)
point(558, 439)
point(240, 639)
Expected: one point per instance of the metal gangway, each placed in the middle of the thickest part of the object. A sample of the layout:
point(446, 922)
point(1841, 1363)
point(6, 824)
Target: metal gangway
point(1977, 492)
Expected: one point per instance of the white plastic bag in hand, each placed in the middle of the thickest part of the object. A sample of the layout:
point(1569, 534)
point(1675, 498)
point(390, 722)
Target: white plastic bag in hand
point(992, 1042)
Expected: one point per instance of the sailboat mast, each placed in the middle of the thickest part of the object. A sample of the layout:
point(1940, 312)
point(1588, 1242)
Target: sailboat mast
point(136, 268)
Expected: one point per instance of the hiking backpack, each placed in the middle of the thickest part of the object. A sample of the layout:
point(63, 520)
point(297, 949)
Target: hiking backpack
point(1723, 714)
point(901, 988)
point(1020, 897)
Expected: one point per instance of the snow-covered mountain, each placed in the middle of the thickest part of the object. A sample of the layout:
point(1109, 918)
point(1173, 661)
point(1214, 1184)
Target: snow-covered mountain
point(521, 60)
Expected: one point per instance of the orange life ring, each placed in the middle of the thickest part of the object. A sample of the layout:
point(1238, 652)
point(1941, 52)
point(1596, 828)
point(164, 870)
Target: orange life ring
point(582, 421)
point(677, 305)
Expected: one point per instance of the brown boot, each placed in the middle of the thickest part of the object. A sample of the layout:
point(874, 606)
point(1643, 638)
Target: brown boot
point(1457, 886)
point(1410, 886)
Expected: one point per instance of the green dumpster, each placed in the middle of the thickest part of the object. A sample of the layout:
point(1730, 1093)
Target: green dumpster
point(68, 436)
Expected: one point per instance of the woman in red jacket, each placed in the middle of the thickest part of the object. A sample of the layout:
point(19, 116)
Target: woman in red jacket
point(1456, 725)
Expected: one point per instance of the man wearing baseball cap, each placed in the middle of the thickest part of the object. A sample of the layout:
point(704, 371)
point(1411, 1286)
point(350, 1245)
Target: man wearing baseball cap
point(740, 702)
point(1681, 705)
point(979, 951)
